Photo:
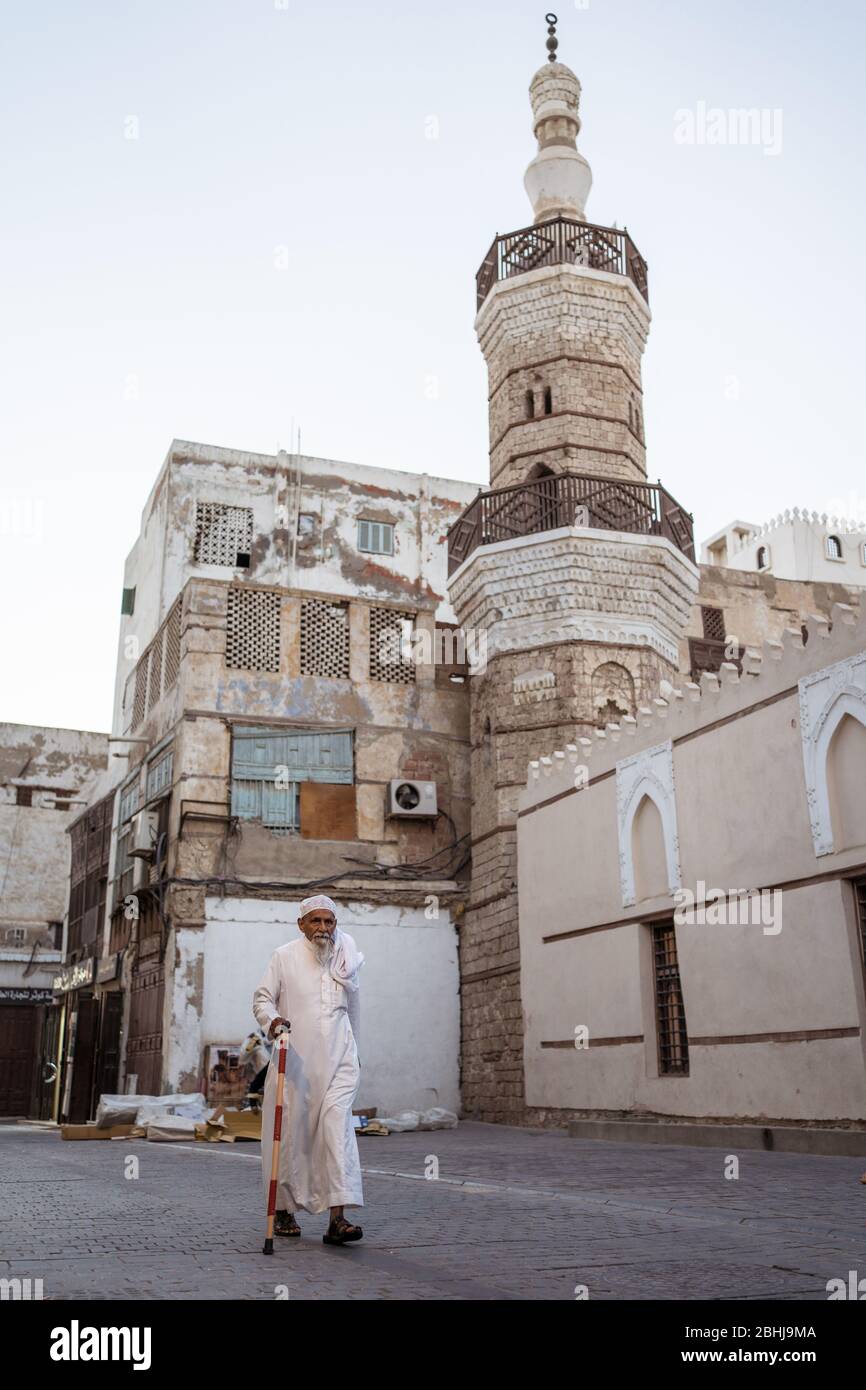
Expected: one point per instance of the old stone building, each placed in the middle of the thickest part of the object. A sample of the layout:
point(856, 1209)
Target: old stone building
point(285, 668)
point(46, 776)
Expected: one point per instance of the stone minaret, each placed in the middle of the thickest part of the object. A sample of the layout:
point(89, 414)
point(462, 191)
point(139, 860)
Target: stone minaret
point(579, 573)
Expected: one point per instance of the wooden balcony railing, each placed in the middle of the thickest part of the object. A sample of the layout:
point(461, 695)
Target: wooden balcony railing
point(561, 241)
point(569, 499)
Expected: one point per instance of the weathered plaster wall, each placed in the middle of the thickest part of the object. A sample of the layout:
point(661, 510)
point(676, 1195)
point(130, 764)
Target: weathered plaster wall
point(758, 607)
point(409, 1041)
point(335, 495)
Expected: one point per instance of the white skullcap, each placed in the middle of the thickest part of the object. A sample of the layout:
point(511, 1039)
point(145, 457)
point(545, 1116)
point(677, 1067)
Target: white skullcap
point(310, 905)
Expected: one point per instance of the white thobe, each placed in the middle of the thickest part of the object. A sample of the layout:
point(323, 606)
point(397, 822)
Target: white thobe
point(319, 1165)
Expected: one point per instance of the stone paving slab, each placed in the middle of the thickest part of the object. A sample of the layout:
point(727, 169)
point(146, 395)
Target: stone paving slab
point(515, 1215)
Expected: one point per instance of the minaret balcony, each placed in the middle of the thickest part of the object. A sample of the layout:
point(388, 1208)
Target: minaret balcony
point(561, 241)
point(566, 500)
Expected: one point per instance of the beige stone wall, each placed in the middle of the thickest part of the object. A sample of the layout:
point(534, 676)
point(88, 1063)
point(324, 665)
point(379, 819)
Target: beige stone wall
point(581, 334)
point(758, 607)
point(776, 1019)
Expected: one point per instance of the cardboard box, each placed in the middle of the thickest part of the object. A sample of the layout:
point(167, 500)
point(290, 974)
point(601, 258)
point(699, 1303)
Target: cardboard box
point(91, 1132)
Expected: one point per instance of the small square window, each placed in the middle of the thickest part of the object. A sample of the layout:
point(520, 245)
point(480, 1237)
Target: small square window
point(376, 537)
point(127, 604)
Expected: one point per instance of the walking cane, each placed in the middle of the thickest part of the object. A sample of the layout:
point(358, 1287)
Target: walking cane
point(282, 1042)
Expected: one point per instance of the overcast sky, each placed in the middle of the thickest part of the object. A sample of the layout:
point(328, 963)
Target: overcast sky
point(223, 217)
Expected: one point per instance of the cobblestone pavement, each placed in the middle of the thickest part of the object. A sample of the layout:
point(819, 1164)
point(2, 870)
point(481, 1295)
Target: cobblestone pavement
point(515, 1214)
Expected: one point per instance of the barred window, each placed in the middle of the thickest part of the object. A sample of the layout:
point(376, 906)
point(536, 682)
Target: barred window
point(860, 900)
point(673, 1041)
point(376, 537)
point(390, 652)
point(253, 630)
point(324, 639)
point(223, 534)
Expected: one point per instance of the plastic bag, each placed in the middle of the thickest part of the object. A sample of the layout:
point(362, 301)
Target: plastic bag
point(117, 1110)
point(435, 1118)
point(193, 1107)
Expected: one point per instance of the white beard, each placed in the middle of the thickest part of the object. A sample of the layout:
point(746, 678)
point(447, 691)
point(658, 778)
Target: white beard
point(324, 949)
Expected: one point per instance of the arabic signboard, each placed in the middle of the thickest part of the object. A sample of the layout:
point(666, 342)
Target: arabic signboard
point(108, 968)
point(11, 994)
point(74, 976)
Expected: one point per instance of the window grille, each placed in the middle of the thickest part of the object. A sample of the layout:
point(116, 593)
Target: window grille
point(324, 639)
point(139, 699)
point(223, 534)
point(714, 624)
point(253, 630)
point(389, 659)
point(860, 899)
point(673, 1041)
point(376, 537)
point(171, 660)
point(154, 684)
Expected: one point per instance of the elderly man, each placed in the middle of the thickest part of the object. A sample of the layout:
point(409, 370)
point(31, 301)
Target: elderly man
point(311, 985)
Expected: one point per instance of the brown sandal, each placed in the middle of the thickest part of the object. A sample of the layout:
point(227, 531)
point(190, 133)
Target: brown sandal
point(340, 1231)
point(285, 1224)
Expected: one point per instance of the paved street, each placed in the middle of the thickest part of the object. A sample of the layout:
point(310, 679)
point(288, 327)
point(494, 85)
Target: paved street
point(515, 1214)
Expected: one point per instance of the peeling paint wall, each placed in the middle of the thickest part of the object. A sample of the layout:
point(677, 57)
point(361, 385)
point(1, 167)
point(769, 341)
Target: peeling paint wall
point(758, 608)
point(52, 765)
point(324, 558)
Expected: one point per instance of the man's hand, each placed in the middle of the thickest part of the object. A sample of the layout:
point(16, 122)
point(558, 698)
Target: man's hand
point(279, 1023)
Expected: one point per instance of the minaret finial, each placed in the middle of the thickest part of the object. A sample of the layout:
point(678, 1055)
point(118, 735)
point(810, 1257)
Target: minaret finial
point(552, 40)
point(558, 179)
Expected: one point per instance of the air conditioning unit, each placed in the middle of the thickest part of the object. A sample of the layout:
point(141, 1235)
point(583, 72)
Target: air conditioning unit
point(140, 875)
point(413, 799)
point(142, 839)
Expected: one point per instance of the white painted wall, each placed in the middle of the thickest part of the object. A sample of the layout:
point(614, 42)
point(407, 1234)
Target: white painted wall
point(410, 1005)
point(796, 548)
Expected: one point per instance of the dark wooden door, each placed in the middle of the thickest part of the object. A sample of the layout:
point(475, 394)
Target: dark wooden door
point(18, 1056)
point(144, 1043)
point(108, 1053)
point(45, 1082)
point(83, 1061)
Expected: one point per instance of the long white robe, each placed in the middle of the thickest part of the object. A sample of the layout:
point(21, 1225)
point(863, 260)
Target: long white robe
point(319, 1165)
